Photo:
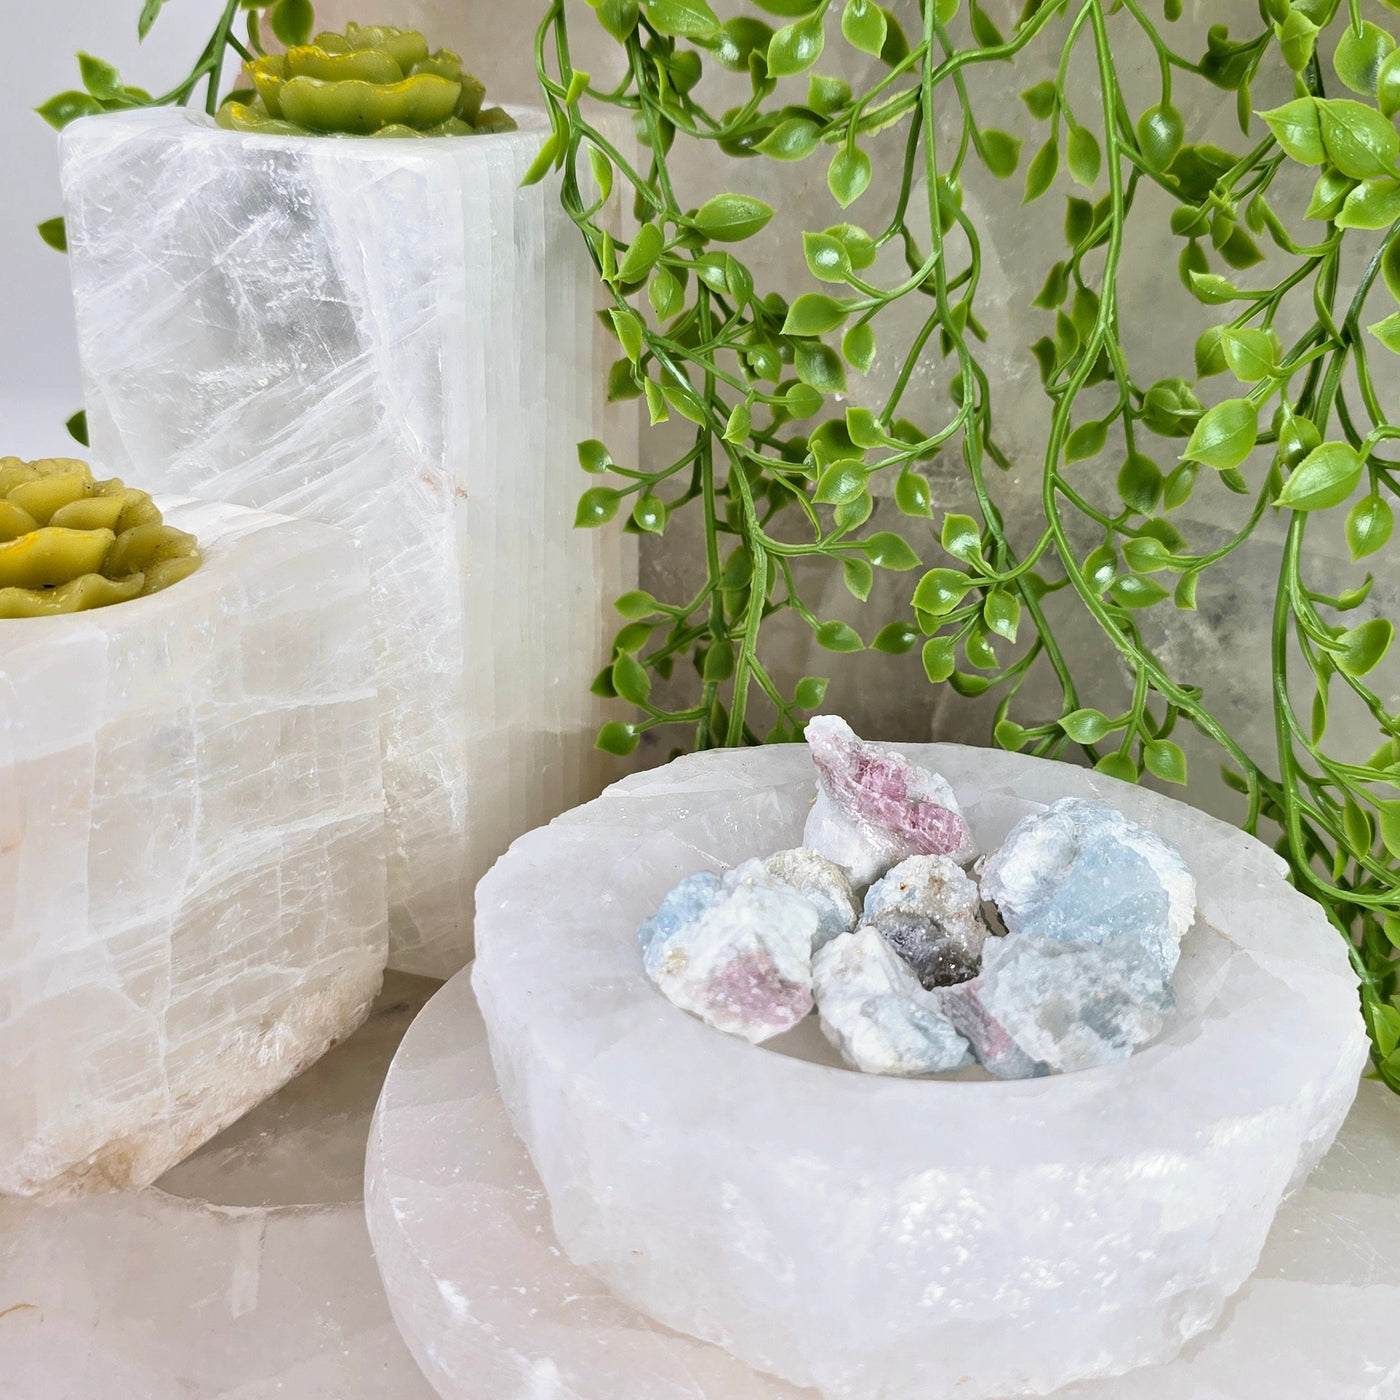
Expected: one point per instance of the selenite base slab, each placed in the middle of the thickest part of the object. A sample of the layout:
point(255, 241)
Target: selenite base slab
point(876, 1238)
point(245, 1274)
point(192, 888)
point(491, 1307)
point(393, 337)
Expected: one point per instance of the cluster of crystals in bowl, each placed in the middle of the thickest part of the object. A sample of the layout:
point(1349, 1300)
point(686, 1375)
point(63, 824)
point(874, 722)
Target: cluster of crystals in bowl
point(69, 543)
point(880, 922)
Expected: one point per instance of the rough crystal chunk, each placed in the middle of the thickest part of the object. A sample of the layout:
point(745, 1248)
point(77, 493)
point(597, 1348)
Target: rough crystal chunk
point(876, 1012)
point(930, 912)
point(192, 890)
point(870, 1235)
point(1083, 872)
point(874, 807)
point(734, 949)
point(824, 883)
point(1063, 1006)
point(398, 339)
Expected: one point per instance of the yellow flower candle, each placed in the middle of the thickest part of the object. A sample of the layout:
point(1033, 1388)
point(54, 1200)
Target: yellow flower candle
point(69, 543)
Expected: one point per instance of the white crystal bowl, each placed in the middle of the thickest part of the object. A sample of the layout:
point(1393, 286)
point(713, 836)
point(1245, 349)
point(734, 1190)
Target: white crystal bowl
point(887, 1239)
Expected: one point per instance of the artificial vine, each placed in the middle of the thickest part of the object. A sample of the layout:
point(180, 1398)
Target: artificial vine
point(777, 482)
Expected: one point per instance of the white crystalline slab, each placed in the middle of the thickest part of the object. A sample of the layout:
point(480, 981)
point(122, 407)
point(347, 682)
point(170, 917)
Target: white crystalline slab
point(393, 337)
point(906, 1237)
point(491, 1307)
point(192, 889)
point(244, 1274)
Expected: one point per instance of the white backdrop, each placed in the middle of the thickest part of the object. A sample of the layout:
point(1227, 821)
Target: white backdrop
point(38, 358)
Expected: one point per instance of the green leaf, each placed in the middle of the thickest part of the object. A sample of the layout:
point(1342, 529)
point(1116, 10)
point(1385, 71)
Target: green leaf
point(593, 456)
point(858, 346)
point(838, 636)
point(292, 21)
point(1388, 332)
point(1374, 203)
point(796, 47)
point(739, 424)
point(150, 12)
point(1225, 435)
point(602, 172)
point(641, 254)
point(848, 176)
point(895, 638)
point(630, 679)
point(628, 326)
point(1009, 735)
point(860, 247)
point(619, 739)
point(819, 366)
point(1164, 760)
point(1079, 221)
point(1087, 440)
point(1000, 153)
point(939, 658)
point(1160, 131)
point(962, 537)
point(54, 232)
point(691, 19)
point(77, 427)
point(622, 382)
point(827, 95)
point(1210, 352)
point(730, 218)
point(1083, 157)
point(1041, 172)
point(1387, 1024)
point(1118, 765)
point(793, 139)
point(1086, 726)
point(657, 411)
point(911, 495)
point(1329, 195)
point(864, 428)
point(842, 481)
point(858, 577)
point(1297, 38)
point(1136, 591)
point(636, 605)
point(1140, 483)
point(1001, 611)
point(1040, 100)
point(1360, 649)
point(810, 692)
point(983, 30)
point(543, 162)
point(864, 26)
point(1358, 140)
point(685, 401)
point(1146, 554)
point(1358, 57)
point(802, 401)
point(1055, 288)
point(827, 259)
point(1212, 288)
point(940, 591)
point(68, 107)
point(1251, 354)
point(1369, 526)
point(649, 514)
point(1100, 566)
point(99, 77)
point(814, 314)
point(666, 294)
point(1298, 129)
point(1324, 478)
point(1388, 84)
point(618, 17)
point(596, 507)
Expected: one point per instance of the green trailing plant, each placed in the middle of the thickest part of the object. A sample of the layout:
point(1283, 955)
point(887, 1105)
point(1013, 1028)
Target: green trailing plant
point(779, 473)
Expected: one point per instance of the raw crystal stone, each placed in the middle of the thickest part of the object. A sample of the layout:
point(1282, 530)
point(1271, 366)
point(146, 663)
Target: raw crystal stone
point(393, 337)
point(872, 1235)
point(875, 1011)
point(244, 1274)
point(1061, 1005)
point(824, 883)
point(874, 808)
point(491, 1306)
point(192, 898)
point(930, 912)
point(734, 949)
point(1082, 871)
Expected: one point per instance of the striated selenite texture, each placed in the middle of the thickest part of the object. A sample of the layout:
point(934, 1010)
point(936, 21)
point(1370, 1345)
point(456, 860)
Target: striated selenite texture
point(390, 336)
point(192, 887)
point(885, 1239)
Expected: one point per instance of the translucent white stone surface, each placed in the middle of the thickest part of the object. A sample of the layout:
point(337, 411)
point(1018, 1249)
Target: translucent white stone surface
point(244, 1274)
point(394, 337)
point(192, 888)
point(899, 1237)
point(491, 1307)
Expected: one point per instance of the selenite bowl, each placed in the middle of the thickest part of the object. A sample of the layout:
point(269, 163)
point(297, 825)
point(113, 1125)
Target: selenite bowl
point(887, 1239)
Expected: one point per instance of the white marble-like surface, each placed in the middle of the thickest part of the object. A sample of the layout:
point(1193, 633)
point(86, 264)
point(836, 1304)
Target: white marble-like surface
point(396, 338)
point(192, 888)
point(491, 1307)
point(245, 1274)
